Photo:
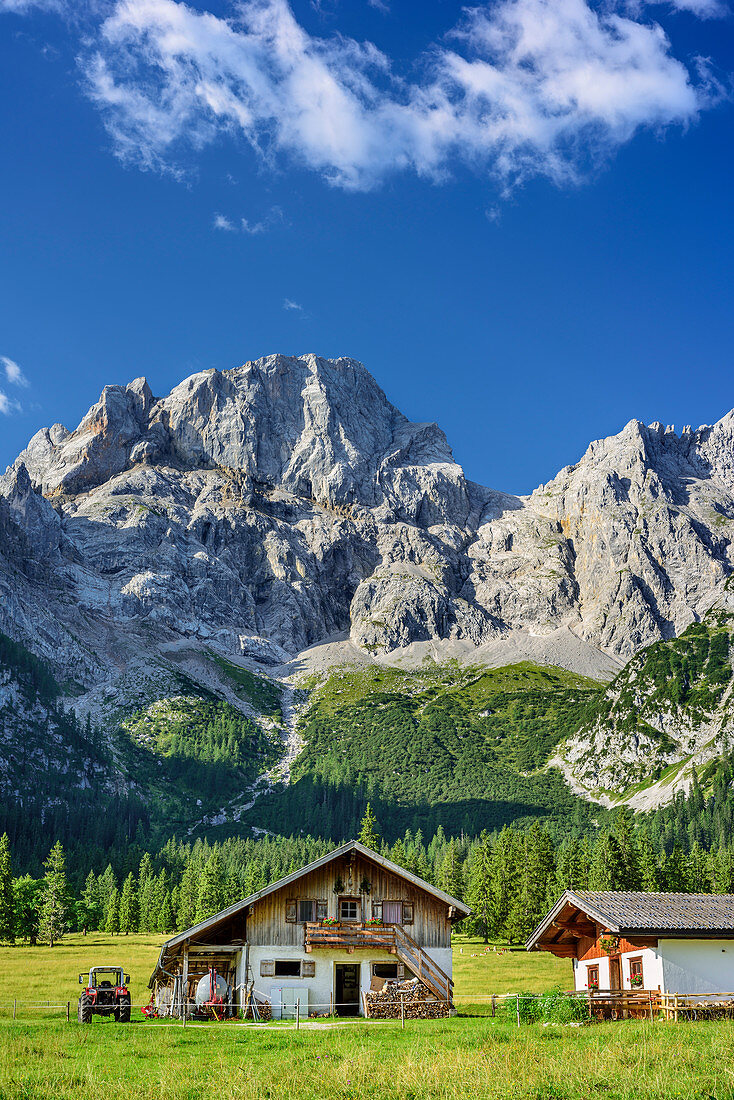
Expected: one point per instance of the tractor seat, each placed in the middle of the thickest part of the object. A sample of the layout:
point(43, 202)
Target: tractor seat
point(105, 985)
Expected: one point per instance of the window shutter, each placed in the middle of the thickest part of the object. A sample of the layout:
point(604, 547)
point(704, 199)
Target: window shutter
point(322, 909)
point(291, 911)
point(377, 910)
point(407, 912)
point(308, 968)
point(267, 968)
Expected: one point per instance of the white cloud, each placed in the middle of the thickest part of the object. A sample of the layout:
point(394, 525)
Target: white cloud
point(289, 304)
point(519, 88)
point(8, 406)
point(13, 373)
point(222, 222)
point(253, 229)
point(704, 9)
point(22, 7)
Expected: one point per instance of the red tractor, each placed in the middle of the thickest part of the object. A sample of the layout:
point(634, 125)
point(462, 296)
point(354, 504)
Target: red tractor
point(105, 994)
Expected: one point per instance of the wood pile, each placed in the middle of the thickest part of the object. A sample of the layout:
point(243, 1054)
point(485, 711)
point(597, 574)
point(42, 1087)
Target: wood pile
point(418, 1002)
point(264, 1010)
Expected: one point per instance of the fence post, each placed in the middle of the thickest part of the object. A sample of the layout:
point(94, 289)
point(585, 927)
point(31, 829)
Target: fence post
point(68, 1005)
point(518, 1010)
point(298, 1013)
point(402, 1010)
point(494, 1004)
point(650, 996)
point(15, 1005)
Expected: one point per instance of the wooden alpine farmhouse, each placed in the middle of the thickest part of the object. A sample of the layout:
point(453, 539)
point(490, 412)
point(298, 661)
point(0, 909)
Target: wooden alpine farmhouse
point(620, 940)
point(321, 937)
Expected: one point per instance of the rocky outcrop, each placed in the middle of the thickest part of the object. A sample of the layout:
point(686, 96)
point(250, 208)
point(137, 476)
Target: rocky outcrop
point(287, 502)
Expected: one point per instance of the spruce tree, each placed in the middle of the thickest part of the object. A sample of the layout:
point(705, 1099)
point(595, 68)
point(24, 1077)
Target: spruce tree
point(647, 863)
point(112, 913)
point(89, 907)
point(7, 907)
point(607, 869)
point(26, 904)
point(675, 871)
point(128, 906)
point(479, 891)
point(165, 922)
point(369, 830)
point(55, 901)
point(211, 887)
point(452, 878)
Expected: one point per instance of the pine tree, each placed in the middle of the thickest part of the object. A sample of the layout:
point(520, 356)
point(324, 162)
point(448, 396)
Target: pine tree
point(624, 834)
point(107, 883)
point(188, 896)
point(211, 887)
point(648, 864)
point(606, 869)
point(89, 907)
point(165, 916)
point(128, 906)
point(675, 871)
point(369, 830)
point(452, 878)
point(479, 892)
point(536, 873)
point(7, 907)
point(26, 904)
point(700, 871)
point(112, 913)
point(504, 880)
point(55, 901)
point(146, 900)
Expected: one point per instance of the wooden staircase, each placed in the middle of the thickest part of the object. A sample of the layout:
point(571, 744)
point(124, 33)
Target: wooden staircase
point(422, 965)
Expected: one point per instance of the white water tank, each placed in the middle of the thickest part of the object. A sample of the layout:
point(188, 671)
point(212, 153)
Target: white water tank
point(204, 991)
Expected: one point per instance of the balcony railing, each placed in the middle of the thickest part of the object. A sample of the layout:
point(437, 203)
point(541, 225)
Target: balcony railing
point(349, 935)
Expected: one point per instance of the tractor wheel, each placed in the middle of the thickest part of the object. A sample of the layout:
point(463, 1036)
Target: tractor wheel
point(84, 1011)
point(122, 1015)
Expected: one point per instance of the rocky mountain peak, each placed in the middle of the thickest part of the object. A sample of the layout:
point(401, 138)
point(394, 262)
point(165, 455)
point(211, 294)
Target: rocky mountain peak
point(288, 500)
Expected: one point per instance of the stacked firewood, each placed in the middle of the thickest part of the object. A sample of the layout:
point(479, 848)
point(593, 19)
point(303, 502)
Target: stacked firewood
point(411, 998)
point(264, 1010)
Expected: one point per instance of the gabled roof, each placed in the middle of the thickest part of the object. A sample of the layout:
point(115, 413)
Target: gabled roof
point(629, 912)
point(350, 846)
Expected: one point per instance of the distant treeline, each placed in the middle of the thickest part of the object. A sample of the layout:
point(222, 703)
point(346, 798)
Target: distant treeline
point(509, 877)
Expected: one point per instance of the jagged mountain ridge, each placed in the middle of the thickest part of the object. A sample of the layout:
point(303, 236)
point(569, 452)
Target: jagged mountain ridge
point(288, 500)
point(287, 504)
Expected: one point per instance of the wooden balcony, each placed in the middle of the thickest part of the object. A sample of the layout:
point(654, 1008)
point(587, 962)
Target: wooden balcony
point(348, 935)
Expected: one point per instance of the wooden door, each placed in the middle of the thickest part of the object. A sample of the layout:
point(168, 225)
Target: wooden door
point(615, 973)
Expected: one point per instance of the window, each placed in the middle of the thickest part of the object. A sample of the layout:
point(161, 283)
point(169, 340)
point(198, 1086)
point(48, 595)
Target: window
point(348, 908)
point(392, 912)
point(637, 979)
point(306, 910)
point(592, 977)
point(287, 968)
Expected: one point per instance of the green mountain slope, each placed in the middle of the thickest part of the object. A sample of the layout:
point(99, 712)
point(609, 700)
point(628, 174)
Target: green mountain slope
point(671, 707)
point(461, 748)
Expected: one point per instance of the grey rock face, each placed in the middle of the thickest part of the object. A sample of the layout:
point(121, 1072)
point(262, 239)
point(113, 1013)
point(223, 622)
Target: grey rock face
point(288, 501)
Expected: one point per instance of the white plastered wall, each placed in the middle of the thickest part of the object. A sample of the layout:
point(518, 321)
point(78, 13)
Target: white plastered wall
point(652, 970)
point(697, 966)
point(321, 987)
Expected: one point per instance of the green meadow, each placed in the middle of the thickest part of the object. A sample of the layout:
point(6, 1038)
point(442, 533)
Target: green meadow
point(468, 1056)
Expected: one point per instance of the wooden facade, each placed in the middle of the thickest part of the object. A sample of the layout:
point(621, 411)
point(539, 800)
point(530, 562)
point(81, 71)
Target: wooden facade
point(362, 880)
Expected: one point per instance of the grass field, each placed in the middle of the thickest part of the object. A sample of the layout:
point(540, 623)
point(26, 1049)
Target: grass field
point(469, 1056)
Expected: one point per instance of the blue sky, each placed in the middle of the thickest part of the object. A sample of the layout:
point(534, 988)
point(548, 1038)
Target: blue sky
point(519, 218)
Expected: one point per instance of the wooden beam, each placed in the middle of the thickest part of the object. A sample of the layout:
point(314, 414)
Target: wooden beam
point(577, 928)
